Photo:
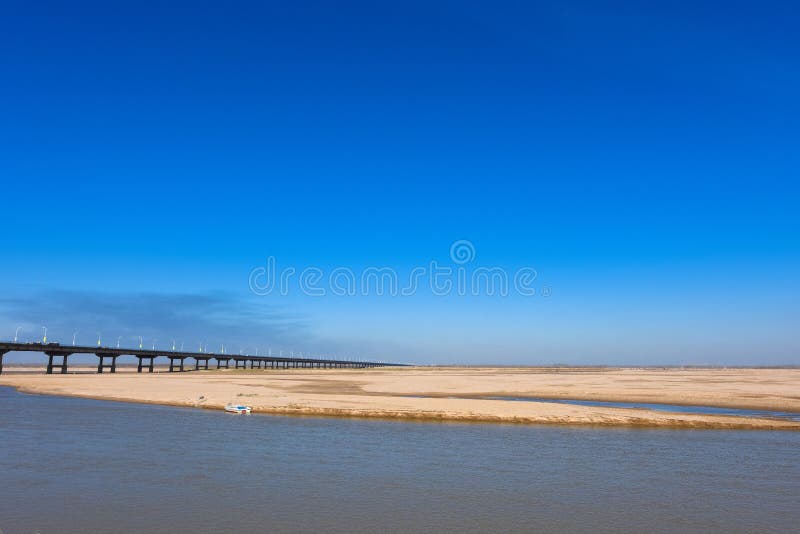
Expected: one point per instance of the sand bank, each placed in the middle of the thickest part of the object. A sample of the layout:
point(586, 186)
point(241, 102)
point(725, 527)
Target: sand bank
point(423, 393)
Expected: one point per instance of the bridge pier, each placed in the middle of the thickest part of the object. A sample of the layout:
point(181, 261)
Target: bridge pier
point(112, 367)
point(58, 356)
point(62, 366)
point(141, 366)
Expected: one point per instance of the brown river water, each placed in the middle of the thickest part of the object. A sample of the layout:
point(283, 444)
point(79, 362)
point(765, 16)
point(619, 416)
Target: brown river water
point(72, 465)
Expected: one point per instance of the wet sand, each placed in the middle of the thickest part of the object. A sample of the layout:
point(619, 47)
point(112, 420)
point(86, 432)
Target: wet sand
point(424, 393)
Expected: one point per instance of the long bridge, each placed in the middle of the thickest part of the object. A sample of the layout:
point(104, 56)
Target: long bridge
point(58, 354)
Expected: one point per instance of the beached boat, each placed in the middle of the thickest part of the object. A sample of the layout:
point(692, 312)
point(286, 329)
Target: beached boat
point(237, 408)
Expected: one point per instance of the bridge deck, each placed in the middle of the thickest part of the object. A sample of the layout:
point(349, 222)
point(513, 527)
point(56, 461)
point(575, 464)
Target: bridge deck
point(176, 358)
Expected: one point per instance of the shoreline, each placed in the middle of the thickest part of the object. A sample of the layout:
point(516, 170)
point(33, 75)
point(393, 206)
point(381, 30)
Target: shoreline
point(620, 398)
point(719, 422)
point(452, 394)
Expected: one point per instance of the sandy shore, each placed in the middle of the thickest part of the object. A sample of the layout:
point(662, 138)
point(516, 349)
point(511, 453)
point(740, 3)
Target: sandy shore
point(423, 393)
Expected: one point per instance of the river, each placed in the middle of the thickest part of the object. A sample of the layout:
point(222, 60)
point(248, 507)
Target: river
point(71, 465)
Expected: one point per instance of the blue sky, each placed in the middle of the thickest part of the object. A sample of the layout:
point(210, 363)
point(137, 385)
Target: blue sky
point(643, 159)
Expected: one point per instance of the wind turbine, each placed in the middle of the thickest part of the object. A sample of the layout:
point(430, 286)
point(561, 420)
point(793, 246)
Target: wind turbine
point(74, 336)
point(140, 342)
point(16, 334)
point(118, 338)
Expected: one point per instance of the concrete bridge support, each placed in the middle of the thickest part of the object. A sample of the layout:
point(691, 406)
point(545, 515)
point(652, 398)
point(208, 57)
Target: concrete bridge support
point(142, 366)
point(112, 367)
point(58, 356)
point(62, 366)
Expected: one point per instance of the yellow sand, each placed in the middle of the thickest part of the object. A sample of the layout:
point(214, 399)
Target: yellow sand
point(386, 393)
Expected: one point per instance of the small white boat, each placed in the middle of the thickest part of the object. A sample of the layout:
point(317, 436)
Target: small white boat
point(237, 408)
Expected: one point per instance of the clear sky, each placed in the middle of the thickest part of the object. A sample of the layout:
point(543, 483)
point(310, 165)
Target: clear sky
point(642, 157)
